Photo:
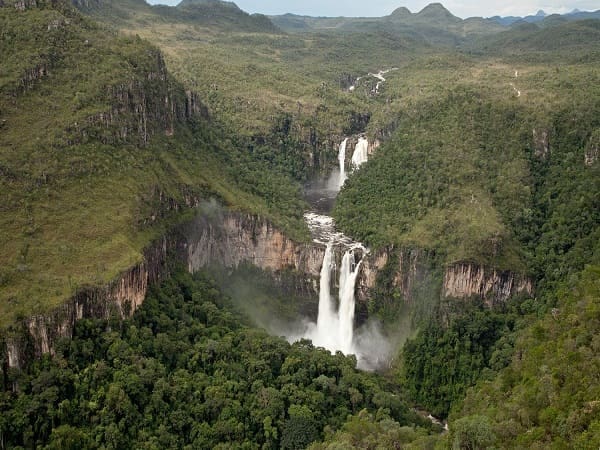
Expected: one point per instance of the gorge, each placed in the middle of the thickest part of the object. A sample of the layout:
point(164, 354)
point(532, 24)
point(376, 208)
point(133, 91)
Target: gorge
point(228, 230)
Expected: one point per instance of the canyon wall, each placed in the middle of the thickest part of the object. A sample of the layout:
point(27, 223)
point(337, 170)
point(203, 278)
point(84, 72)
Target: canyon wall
point(226, 239)
point(410, 268)
point(229, 239)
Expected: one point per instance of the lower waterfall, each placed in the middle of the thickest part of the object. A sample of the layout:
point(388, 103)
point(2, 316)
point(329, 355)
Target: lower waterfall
point(335, 329)
point(348, 273)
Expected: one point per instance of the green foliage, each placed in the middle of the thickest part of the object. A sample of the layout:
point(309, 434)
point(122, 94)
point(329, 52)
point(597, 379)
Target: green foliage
point(472, 433)
point(379, 431)
point(76, 91)
point(547, 396)
point(183, 371)
point(450, 354)
point(442, 182)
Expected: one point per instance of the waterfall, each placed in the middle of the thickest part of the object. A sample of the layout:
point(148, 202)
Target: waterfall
point(342, 160)
point(348, 273)
point(326, 310)
point(360, 154)
point(335, 329)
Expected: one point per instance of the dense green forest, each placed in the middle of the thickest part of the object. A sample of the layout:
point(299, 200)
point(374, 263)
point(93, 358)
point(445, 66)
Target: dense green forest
point(119, 121)
point(188, 372)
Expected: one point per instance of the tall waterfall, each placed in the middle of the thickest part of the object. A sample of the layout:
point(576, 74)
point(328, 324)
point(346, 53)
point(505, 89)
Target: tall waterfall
point(342, 160)
point(360, 155)
point(335, 328)
point(326, 310)
point(348, 273)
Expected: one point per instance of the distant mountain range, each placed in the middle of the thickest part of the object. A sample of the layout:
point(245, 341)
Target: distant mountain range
point(433, 16)
point(541, 16)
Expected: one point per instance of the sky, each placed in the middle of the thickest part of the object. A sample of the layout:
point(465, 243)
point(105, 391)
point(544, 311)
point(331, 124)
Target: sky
point(378, 8)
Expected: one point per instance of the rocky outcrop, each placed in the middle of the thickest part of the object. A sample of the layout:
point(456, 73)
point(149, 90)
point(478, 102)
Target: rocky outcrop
point(464, 280)
point(236, 238)
point(119, 298)
point(22, 5)
point(136, 115)
point(406, 270)
point(33, 74)
point(541, 143)
point(592, 149)
point(224, 238)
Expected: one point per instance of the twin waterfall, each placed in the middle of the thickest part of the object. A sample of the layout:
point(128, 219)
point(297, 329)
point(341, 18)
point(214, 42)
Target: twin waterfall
point(334, 329)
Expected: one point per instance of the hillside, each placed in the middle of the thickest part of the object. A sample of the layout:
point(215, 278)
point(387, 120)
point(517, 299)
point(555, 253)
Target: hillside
point(434, 25)
point(561, 41)
point(464, 254)
point(458, 175)
point(112, 141)
point(217, 14)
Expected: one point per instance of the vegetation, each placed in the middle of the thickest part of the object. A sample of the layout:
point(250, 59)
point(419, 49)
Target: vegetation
point(489, 155)
point(186, 372)
point(547, 396)
point(79, 194)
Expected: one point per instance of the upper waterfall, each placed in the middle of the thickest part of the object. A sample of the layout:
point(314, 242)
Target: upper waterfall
point(342, 161)
point(360, 155)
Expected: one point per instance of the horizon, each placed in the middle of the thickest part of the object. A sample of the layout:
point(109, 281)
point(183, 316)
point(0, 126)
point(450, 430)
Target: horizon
point(379, 8)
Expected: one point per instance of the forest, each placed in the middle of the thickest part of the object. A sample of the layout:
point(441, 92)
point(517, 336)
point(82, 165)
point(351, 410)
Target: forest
point(122, 123)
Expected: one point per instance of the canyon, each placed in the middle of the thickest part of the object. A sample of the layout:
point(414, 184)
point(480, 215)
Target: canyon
point(217, 236)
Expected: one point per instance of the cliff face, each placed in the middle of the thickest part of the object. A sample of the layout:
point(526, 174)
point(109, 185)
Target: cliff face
point(237, 238)
point(466, 280)
point(227, 239)
point(136, 116)
point(40, 333)
point(411, 268)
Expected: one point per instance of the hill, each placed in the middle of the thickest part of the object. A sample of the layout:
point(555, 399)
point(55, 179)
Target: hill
point(541, 17)
point(434, 24)
point(554, 39)
point(113, 139)
point(214, 14)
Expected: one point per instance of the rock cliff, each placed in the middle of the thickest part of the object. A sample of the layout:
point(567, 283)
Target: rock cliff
point(412, 267)
point(466, 280)
point(134, 115)
point(227, 239)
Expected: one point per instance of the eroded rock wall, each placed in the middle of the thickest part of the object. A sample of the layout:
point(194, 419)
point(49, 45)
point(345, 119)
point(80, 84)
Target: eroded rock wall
point(226, 239)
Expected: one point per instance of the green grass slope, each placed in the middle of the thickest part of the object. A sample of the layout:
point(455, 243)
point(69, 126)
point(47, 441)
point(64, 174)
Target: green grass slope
point(459, 174)
point(548, 396)
point(93, 130)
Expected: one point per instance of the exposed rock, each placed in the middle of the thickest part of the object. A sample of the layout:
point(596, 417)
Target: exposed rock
point(136, 115)
point(464, 280)
point(541, 143)
point(120, 298)
point(410, 268)
point(33, 74)
point(227, 239)
point(22, 5)
point(592, 150)
point(461, 280)
point(373, 146)
point(236, 238)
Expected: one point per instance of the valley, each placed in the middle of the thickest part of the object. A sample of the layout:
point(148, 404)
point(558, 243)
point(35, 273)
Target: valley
point(315, 228)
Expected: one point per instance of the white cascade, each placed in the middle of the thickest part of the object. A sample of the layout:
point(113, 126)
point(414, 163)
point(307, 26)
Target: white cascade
point(342, 160)
point(326, 309)
point(335, 329)
point(348, 273)
point(360, 155)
